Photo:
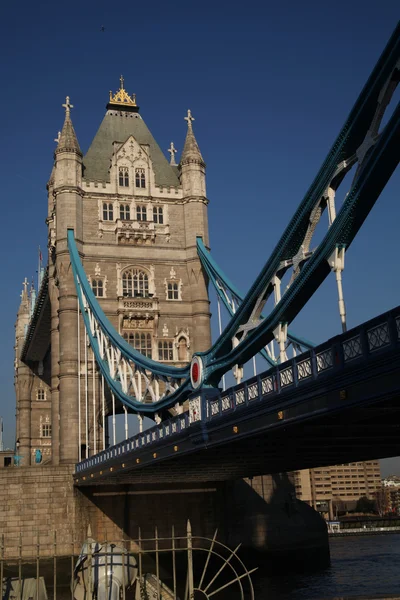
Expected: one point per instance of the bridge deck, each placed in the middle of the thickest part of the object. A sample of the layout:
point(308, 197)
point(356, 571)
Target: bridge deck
point(339, 402)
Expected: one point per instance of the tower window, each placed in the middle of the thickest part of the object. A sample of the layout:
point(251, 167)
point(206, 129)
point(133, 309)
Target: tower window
point(172, 291)
point(46, 430)
point(141, 213)
point(140, 178)
point(108, 211)
point(124, 212)
point(165, 350)
point(98, 288)
point(123, 177)
point(158, 216)
point(135, 283)
point(140, 341)
point(40, 394)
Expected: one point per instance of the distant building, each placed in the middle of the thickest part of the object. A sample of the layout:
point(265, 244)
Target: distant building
point(389, 495)
point(336, 489)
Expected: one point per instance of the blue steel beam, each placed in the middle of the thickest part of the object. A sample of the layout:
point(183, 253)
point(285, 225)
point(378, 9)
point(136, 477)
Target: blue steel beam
point(221, 283)
point(380, 164)
point(380, 160)
point(89, 305)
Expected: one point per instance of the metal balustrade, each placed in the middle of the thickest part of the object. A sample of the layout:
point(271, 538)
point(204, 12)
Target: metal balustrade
point(381, 334)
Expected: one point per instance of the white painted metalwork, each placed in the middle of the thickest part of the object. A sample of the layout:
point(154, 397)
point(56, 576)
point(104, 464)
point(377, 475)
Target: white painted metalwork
point(103, 412)
point(286, 377)
point(239, 397)
point(226, 403)
point(94, 405)
point(304, 369)
point(143, 385)
point(252, 391)
point(79, 385)
point(113, 419)
point(324, 360)
point(220, 331)
point(267, 385)
point(304, 251)
point(195, 409)
point(86, 397)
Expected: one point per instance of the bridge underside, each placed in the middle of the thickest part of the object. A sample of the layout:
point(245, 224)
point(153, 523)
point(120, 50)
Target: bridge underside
point(353, 416)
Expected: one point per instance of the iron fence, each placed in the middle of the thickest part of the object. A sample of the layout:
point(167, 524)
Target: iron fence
point(176, 567)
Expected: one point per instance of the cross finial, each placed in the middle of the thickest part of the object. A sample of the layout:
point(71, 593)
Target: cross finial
point(172, 150)
point(67, 106)
point(121, 79)
point(25, 283)
point(189, 118)
point(57, 139)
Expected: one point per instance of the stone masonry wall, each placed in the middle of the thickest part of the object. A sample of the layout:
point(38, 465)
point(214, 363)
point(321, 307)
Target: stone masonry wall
point(39, 501)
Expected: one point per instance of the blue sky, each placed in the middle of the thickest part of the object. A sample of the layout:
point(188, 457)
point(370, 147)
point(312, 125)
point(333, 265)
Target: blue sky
point(269, 85)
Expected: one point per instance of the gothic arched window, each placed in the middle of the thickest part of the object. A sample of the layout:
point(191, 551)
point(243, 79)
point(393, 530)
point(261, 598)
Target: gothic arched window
point(123, 177)
point(140, 178)
point(141, 213)
point(158, 216)
point(135, 283)
point(124, 212)
point(108, 211)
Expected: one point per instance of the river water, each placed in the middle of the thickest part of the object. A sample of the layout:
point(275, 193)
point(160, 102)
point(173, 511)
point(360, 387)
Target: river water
point(361, 566)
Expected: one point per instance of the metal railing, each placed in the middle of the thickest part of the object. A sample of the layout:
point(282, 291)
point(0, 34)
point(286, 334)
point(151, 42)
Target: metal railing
point(166, 568)
point(379, 335)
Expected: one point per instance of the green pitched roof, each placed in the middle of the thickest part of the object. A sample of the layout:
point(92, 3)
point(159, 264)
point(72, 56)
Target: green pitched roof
point(117, 127)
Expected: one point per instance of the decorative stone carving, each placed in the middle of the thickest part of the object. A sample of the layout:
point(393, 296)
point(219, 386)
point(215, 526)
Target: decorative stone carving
point(165, 330)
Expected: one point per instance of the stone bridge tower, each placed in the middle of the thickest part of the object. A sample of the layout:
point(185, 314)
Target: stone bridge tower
point(135, 217)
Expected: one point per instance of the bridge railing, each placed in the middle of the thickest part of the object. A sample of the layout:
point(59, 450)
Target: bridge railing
point(361, 344)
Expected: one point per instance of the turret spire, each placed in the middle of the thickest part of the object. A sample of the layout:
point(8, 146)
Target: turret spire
point(191, 152)
point(172, 150)
point(67, 140)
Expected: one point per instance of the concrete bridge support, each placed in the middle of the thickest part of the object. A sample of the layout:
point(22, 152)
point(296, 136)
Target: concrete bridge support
point(262, 514)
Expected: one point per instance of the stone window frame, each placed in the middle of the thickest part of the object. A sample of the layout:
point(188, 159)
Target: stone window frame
point(158, 215)
point(125, 212)
point(123, 176)
point(39, 392)
point(45, 430)
point(172, 287)
point(97, 286)
point(141, 339)
point(165, 347)
point(147, 269)
point(140, 178)
point(139, 279)
point(141, 213)
point(108, 211)
point(98, 277)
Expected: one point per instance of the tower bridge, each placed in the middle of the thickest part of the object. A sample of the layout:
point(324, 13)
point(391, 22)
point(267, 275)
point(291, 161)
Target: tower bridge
point(121, 321)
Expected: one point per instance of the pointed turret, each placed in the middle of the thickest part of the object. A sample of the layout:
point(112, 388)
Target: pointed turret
point(24, 304)
point(67, 140)
point(191, 151)
point(192, 166)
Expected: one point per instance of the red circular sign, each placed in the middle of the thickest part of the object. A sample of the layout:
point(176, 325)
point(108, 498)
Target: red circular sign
point(195, 372)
